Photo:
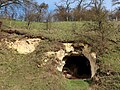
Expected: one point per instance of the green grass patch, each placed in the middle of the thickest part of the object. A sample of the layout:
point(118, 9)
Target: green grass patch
point(77, 85)
point(111, 60)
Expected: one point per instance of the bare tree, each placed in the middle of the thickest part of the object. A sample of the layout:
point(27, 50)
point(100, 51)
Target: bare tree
point(0, 25)
point(12, 8)
point(64, 9)
point(117, 14)
point(42, 9)
point(102, 28)
point(4, 3)
point(34, 11)
point(60, 13)
point(8, 8)
point(49, 20)
point(80, 9)
point(114, 2)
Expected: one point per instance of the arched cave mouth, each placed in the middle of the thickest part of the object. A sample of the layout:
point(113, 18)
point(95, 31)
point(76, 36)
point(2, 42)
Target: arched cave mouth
point(76, 67)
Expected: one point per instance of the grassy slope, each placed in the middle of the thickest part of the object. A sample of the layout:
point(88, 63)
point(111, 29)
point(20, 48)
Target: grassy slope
point(62, 31)
point(20, 72)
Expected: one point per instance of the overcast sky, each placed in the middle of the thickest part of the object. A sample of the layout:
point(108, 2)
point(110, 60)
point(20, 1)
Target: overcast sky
point(51, 3)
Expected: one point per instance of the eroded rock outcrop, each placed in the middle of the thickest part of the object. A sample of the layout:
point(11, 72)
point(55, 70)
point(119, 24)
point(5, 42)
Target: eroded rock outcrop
point(72, 50)
point(69, 60)
point(24, 46)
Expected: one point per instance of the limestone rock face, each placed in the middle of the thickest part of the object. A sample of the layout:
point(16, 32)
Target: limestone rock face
point(60, 66)
point(60, 54)
point(68, 47)
point(24, 46)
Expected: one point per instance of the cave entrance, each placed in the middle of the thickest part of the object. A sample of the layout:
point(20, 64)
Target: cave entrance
point(76, 67)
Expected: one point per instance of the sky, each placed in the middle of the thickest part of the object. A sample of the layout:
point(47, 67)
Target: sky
point(52, 6)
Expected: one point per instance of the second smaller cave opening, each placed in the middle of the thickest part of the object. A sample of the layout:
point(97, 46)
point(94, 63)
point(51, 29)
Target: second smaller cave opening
point(76, 67)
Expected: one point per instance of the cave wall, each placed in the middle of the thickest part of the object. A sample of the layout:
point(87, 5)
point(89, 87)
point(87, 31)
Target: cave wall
point(78, 66)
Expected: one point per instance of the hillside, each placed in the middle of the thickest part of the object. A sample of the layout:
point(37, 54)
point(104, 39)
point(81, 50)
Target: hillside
point(23, 71)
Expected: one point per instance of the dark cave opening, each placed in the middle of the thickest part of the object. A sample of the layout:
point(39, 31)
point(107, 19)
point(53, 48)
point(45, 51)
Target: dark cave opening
point(76, 67)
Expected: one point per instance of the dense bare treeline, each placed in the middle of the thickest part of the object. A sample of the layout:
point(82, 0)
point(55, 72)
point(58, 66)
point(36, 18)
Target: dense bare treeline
point(29, 10)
